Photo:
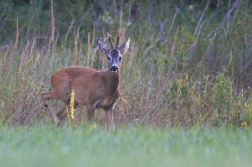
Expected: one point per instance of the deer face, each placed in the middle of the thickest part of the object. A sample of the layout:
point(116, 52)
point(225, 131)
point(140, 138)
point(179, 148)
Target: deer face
point(114, 55)
point(114, 60)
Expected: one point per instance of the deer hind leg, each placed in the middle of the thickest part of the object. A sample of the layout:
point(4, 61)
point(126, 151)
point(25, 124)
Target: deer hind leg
point(45, 97)
point(109, 118)
point(90, 114)
point(62, 114)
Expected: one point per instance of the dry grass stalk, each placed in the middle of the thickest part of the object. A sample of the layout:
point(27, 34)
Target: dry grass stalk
point(51, 40)
point(14, 49)
point(69, 29)
point(75, 51)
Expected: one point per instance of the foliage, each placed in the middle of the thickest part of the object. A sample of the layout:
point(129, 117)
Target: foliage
point(188, 64)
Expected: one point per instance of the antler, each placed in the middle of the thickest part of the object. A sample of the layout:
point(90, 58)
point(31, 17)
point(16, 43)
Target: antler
point(111, 43)
point(117, 42)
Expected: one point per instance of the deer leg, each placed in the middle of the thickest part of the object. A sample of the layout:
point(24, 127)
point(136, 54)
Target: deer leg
point(45, 97)
point(62, 114)
point(90, 114)
point(109, 118)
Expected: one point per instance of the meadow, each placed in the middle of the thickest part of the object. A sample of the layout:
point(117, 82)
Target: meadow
point(126, 147)
point(185, 83)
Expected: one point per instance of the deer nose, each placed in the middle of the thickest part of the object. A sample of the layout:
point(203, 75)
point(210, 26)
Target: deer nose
point(114, 68)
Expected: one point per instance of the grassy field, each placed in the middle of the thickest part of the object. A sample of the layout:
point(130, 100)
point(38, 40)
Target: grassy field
point(188, 67)
point(126, 147)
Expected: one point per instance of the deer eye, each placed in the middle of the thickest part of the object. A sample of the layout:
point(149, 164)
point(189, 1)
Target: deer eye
point(120, 58)
point(108, 58)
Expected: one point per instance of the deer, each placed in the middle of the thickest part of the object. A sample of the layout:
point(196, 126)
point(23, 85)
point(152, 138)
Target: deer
point(96, 89)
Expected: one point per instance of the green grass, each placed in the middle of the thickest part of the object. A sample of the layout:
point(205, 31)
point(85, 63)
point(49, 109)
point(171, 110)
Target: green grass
point(131, 146)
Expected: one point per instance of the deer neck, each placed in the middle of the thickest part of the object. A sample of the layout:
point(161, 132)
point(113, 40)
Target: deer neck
point(113, 80)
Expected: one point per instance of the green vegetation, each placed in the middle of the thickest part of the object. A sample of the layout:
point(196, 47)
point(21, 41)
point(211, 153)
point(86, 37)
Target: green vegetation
point(126, 147)
point(188, 64)
point(185, 82)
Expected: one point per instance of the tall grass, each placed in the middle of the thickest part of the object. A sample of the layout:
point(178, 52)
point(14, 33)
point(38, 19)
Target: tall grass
point(185, 66)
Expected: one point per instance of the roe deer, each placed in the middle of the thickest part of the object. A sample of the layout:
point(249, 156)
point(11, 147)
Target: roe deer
point(93, 88)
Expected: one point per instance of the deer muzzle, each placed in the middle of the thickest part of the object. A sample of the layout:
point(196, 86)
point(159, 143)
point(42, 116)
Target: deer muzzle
point(114, 68)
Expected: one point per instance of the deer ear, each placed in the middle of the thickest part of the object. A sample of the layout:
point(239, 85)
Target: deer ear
point(124, 47)
point(103, 46)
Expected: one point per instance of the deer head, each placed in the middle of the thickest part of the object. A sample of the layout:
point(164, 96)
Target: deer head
point(114, 54)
